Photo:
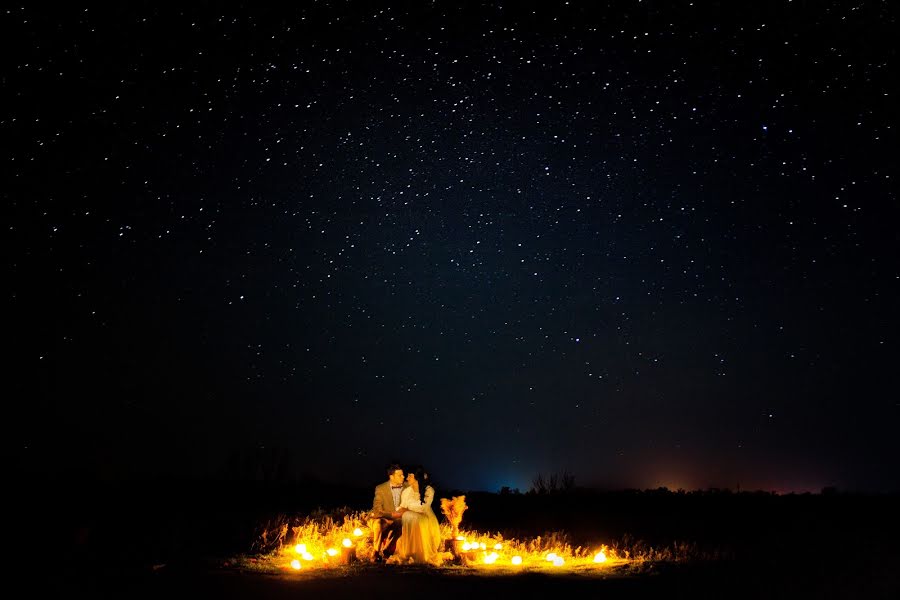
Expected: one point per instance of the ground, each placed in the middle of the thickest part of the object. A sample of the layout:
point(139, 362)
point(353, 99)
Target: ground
point(803, 579)
point(164, 543)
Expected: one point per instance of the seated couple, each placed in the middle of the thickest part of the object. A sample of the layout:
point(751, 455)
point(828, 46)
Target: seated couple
point(404, 526)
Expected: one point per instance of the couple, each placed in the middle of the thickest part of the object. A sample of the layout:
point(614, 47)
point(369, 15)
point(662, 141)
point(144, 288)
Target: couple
point(404, 526)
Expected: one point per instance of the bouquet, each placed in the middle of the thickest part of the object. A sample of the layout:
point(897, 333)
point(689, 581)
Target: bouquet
point(453, 509)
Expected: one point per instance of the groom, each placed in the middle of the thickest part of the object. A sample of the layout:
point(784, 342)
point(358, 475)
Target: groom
point(384, 520)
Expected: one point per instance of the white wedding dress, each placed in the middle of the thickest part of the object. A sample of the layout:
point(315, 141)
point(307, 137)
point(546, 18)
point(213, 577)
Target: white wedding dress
point(420, 539)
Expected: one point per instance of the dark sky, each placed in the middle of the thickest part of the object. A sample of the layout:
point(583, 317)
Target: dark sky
point(650, 243)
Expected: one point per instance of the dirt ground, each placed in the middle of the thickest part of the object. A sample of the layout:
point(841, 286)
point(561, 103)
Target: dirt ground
point(137, 545)
point(863, 579)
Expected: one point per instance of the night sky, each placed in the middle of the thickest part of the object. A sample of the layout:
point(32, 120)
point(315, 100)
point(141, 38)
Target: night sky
point(649, 243)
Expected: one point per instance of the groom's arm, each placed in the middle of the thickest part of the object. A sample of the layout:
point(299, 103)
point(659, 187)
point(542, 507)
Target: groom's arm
point(379, 511)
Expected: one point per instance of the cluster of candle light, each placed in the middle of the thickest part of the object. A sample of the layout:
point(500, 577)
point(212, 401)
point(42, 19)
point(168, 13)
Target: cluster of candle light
point(473, 549)
point(326, 544)
point(474, 553)
point(330, 553)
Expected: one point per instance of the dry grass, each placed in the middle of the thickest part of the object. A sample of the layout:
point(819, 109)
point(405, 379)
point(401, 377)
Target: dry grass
point(339, 541)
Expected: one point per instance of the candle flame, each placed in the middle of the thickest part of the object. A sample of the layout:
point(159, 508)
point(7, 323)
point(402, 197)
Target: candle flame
point(295, 564)
point(347, 543)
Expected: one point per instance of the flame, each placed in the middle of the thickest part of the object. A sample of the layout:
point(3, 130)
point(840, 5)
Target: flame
point(317, 540)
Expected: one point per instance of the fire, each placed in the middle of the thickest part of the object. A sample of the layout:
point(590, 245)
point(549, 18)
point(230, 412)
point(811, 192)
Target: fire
point(326, 543)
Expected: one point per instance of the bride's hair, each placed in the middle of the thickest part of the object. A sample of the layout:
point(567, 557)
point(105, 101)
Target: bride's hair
point(424, 480)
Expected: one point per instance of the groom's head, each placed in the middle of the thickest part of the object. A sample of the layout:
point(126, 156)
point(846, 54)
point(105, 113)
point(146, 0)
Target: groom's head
point(395, 474)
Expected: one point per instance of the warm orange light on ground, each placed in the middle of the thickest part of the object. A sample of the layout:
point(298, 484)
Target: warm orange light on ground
point(327, 543)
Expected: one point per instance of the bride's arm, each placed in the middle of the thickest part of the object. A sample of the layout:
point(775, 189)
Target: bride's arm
point(410, 500)
point(429, 496)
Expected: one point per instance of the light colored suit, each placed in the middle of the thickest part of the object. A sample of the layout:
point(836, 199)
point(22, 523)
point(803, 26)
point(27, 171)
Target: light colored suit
point(383, 503)
point(385, 529)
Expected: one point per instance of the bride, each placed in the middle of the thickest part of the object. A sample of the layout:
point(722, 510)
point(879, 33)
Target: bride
point(421, 535)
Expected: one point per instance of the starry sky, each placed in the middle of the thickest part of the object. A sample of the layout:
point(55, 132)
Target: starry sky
point(647, 243)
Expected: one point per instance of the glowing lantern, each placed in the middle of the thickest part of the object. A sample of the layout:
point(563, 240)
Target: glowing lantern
point(460, 538)
point(466, 547)
point(483, 546)
point(498, 546)
point(491, 558)
point(307, 556)
point(295, 564)
point(552, 557)
point(300, 548)
point(517, 560)
point(558, 561)
point(347, 543)
point(331, 552)
point(600, 557)
point(357, 532)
